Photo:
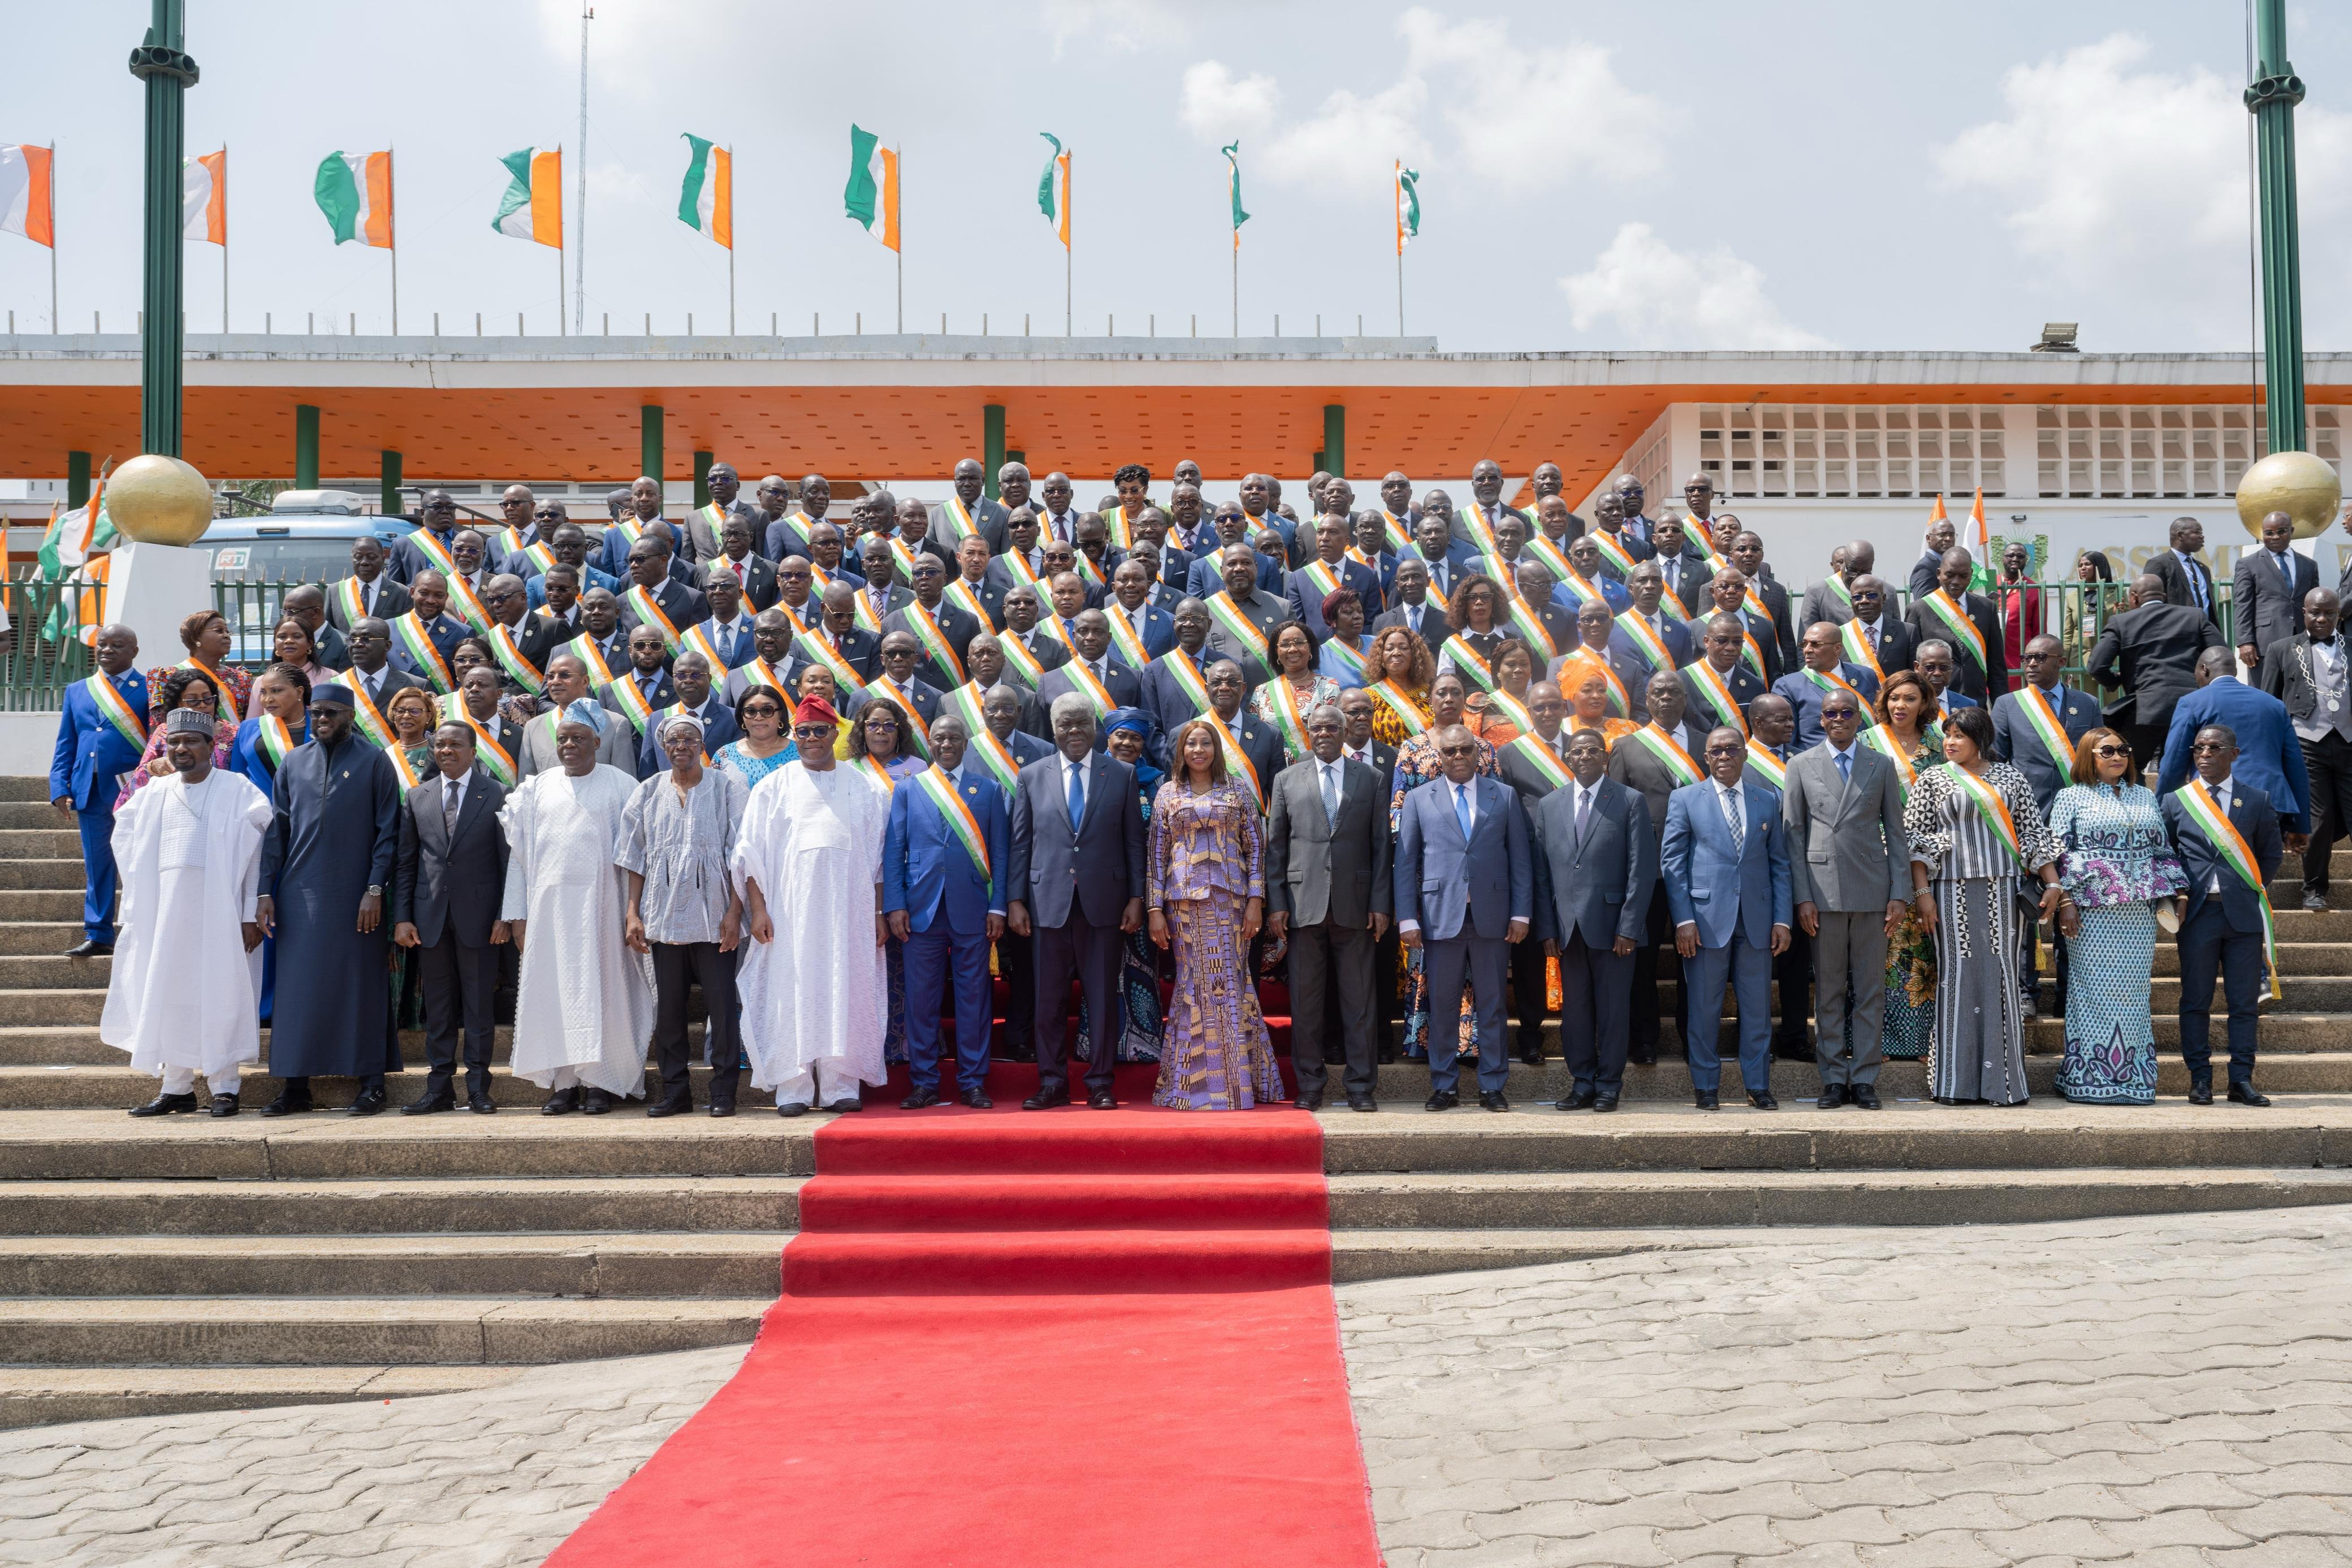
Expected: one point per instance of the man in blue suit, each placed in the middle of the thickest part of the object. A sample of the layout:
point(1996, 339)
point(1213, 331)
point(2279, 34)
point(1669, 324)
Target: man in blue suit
point(1465, 893)
point(2223, 918)
point(1130, 602)
point(1596, 865)
point(98, 738)
point(1724, 861)
point(1824, 670)
point(2269, 755)
point(943, 895)
point(1327, 571)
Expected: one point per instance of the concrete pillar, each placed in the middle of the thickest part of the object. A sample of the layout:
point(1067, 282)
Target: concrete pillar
point(77, 479)
point(306, 447)
point(649, 441)
point(992, 441)
point(388, 464)
point(702, 461)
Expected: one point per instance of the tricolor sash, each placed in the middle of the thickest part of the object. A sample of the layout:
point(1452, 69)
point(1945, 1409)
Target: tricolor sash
point(583, 648)
point(1122, 533)
point(967, 702)
point(224, 705)
point(1060, 629)
point(1880, 739)
point(1582, 658)
point(1283, 698)
point(957, 815)
point(1671, 603)
point(372, 722)
point(1481, 531)
point(1717, 692)
point(1750, 652)
point(1577, 583)
point(496, 759)
point(1083, 679)
point(1393, 697)
point(428, 544)
point(1955, 617)
point(714, 516)
point(1088, 572)
point(844, 678)
point(761, 673)
point(349, 595)
point(1327, 581)
point(1467, 661)
point(695, 640)
point(1017, 656)
point(538, 553)
point(1190, 678)
point(118, 711)
point(934, 641)
point(633, 707)
point(1858, 650)
point(1511, 708)
point(1351, 659)
point(1991, 807)
point(796, 525)
point(1530, 628)
point(409, 778)
point(1843, 594)
point(1236, 759)
point(967, 598)
point(2043, 715)
point(873, 772)
point(274, 740)
point(630, 529)
point(1761, 762)
point(1228, 614)
point(1832, 681)
point(864, 619)
point(1123, 634)
point(958, 517)
point(1539, 757)
point(650, 613)
point(918, 734)
point(1615, 554)
point(511, 540)
point(1555, 559)
point(1400, 537)
point(1023, 574)
point(905, 555)
point(469, 604)
point(525, 674)
point(410, 633)
point(1669, 753)
point(2231, 844)
point(1646, 640)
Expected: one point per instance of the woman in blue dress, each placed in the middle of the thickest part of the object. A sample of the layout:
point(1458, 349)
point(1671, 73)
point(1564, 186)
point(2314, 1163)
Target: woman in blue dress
point(1346, 652)
point(764, 746)
point(2116, 863)
point(281, 721)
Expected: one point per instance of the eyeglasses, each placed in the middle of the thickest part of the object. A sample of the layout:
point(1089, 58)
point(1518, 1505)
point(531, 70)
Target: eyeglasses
point(811, 731)
point(2110, 751)
point(1470, 750)
point(2209, 746)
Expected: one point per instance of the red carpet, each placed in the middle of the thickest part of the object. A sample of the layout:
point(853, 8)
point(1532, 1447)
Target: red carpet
point(1010, 1340)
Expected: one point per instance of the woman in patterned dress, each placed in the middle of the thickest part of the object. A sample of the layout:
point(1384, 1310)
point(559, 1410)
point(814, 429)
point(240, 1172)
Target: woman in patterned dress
point(177, 689)
point(1512, 668)
point(1588, 708)
point(2116, 859)
point(1417, 763)
point(1975, 836)
point(879, 751)
point(1905, 734)
point(1126, 736)
point(764, 746)
point(205, 636)
point(1400, 668)
point(1206, 889)
point(1293, 651)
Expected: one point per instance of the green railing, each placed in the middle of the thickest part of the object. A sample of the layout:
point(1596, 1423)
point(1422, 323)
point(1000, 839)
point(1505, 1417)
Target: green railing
point(46, 654)
point(2075, 612)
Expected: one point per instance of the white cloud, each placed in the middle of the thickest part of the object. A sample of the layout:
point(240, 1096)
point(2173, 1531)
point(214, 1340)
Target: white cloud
point(1116, 26)
point(1350, 141)
point(1527, 118)
point(1216, 106)
point(1655, 296)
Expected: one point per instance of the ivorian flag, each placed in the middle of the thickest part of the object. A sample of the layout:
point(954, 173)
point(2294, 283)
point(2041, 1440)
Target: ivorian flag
point(29, 204)
point(1408, 199)
point(203, 198)
point(532, 207)
point(1053, 189)
point(1234, 173)
point(872, 193)
point(706, 203)
point(354, 190)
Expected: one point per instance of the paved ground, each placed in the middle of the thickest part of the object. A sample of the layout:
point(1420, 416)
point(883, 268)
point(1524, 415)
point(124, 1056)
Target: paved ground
point(2168, 1392)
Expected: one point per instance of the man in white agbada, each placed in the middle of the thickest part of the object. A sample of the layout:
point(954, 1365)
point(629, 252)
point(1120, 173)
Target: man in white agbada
point(184, 995)
point(584, 1005)
point(813, 982)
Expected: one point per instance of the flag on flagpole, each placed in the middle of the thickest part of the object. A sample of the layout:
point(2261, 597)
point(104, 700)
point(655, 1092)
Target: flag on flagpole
point(66, 553)
point(1979, 543)
point(1053, 190)
point(29, 206)
point(354, 190)
point(705, 201)
point(1233, 177)
point(1936, 514)
point(873, 190)
point(1408, 204)
point(533, 206)
point(203, 198)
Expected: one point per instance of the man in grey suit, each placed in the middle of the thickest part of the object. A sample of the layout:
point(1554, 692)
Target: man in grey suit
point(1326, 887)
point(567, 682)
point(1850, 874)
point(1596, 861)
point(1076, 884)
point(1243, 597)
point(2267, 600)
point(1465, 891)
point(1832, 598)
point(445, 890)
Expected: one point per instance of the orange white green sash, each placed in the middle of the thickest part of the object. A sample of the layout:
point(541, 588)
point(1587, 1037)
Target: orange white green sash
point(1018, 658)
point(1581, 660)
point(1766, 766)
point(1393, 697)
point(583, 648)
point(1023, 574)
point(863, 618)
point(968, 599)
point(1555, 559)
point(372, 722)
point(1238, 626)
point(1349, 659)
point(1122, 532)
point(224, 705)
point(1669, 752)
point(1840, 592)
point(957, 815)
point(1482, 530)
point(796, 525)
point(1882, 740)
point(905, 555)
point(526, 675)
point(714, 517)
point(630, 529)
point(873, 773)
point(650, 613)
point(1581, 586)
point(1500, 701)
point(968, 702)
point(934, 641)
point(1671, 603)
point(759, 672)
point(409, 632)
point(1717, 692)
point(409, 778)
point(349, 595)
point(1083, 679)
point(511, 540)
point(1955, 617)
point(1991, 807)
point(469, 604)
point(1060, 630)
point(118, 710)
point(427, 543)
point(1539, 756)
point(918, 734)
point(273, 740)
point(1326, 579)
point(1236, 759)
point(496, 759)
point(844, 678)
point(1832, 681)
point(695, 640)
point(633, 707)
point(1189, 676)
point(994, 756)
point(1467, 662)
point(1858, 650)
point(1282, 697)
point(1530, 628)
point(538, 553)
point(2231, 844)
point(1646, 640)
point(1750, 652)
point(2043, 715)
point(1613, 552)
point(958, 517)
point(1400, 537)
point(1125, 637)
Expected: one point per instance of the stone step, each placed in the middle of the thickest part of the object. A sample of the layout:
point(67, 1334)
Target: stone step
point(559, 1265)
point(44, 903)
point(52, 1006)
point(1560, 1201)
point(44, 1395)
point(2312, 959)
point(44, 873)
point(765, 1205)
point(54, 839)
point(32, 814)
point(449, 1331)
point(23, 1088)
point(39, 938)
point(52, 970)
point(2314, 1072)
point(34, 787)
point(29, 1045)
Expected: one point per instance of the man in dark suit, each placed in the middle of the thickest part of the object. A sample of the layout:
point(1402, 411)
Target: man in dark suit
point(1002, 711)
point(1669, 643)
point(690, 680)
point(1968, 622)
point(1942, 535)
point(975, 589)
point(1411, 605)
point(972, 512)
point(639, 692)
point(1822, 671)
point(705, 526)
point(1137, 624)
point(1356, 707)
point(836, 630)
point(897, 681)
point(427, 630)
point(1748, 555)
point(1649, 765)
point(650, 574)
point(2148, 655)
point(1442, 558)
point(2267, 600)
point(368, 590)
point(1106, 675)
point(2186, 580)
point(1328, 889)
point(1759, 646)
point(1715, 677)
point(372, 675)
point(1232, 527)
point(448, 885)
point(2307, 674)
point(1075, 885)
point(2266, 753)
point(882, 584)
point(1532, 581)
point(1466, 892)
point(1327, 570)
point(1023, 626)
point(1242, 617)
point(1725, 864)
point(101, 735)
point(1682, 566)
point(946, 903)
point(739, 557)
point(1596, 868)
point(2223, 924)
point(1256, 743)
point(931, 620)
point(1874, 639)
point(1832, 598)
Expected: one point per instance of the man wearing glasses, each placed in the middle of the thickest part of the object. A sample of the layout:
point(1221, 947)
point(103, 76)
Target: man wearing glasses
point(1725, 864)
point(2214, 821)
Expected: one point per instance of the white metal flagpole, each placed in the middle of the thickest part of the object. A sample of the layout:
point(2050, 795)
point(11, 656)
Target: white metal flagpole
point(392, 186)
point(224, 242)
point(562, 325)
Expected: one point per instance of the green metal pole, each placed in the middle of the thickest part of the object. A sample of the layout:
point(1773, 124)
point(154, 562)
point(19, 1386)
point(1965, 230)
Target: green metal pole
point(1335, 439)
point(702, 461)
point(390, 491)
point(2271, 97)
point(168, 72)
point(77, 479)
point(649, 442)
point(306, 447)
point(992, 444)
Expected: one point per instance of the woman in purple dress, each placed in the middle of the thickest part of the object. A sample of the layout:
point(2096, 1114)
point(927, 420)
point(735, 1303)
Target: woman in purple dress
point(1205, 890)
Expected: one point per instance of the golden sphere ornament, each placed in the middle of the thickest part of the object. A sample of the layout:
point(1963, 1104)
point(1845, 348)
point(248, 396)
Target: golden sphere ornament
point(2299, 484)
point(158, 500)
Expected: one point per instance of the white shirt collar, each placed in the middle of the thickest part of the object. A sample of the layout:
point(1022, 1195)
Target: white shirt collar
point(464, 782)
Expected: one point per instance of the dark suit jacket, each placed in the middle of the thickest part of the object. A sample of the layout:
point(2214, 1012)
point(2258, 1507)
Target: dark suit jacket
point(991, 589)
point(2285, 673)
point(391, 601)
point(1631, 765)
point(2150, 653)
point(718, 729)
point(1260, 744)
point(1923, 573)
point(1897, 643)
point(988, 520)
point(1307, 605)
point(2270, 757)
point(2016, 741)
point(1927, 625)
point(1163, 696)
point(1597, 886)
point(758, 576)
point(1316, 869)
point(862, 651)
point(445, 881)
point(2251, 813)
point(333, 650)
point(1435, 627)
point(1124, 690)
point(1095, 870)
point(1695, 573)
point(394, 681)
point(2164, 564)
point(685, 606)
point(2266, 598)
point(1776, 604)
point(957, 625)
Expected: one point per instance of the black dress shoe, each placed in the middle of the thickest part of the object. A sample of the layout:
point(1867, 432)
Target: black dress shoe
point(1863, 1096)
point(1441, 1100)
point(722, 1107)
point(844, 1106)
point(1577, 1099)
point(1363, 1103)
point(2247, 1095)
point(1102, 1100)
point(1764, 1101)
point(562, 1102)
point(432, 1099)
point(1703, 1100)
point(371, 1102)
point(1021, 1053)
point(1385, 1055)
point(920, 1100)
point(166, 1105)
point(1832, 1096)
point(224, 1105)
point(287, 1104)
point(791, 1108)
point(2200, 1094)
point(1532, 1055)
point(1310, 1102)
point(1604, 1103)
point(90, 947)
point(975, 1098)
point(594, 1103)
point(1493, 1100)
point(480, 1102)
point(1047, 1099)
point(681, 1106)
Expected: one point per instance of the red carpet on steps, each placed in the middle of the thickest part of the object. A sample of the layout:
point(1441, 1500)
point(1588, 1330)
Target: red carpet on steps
point(1014, 1340)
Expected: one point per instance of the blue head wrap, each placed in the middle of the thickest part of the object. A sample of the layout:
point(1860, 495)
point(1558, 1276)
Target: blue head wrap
point(582, 711)
point(1133, 718)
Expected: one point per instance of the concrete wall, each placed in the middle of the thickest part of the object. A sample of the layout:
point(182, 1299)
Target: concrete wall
point(27, 741)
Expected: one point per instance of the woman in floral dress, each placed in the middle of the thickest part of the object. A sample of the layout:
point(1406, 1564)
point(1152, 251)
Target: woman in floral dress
point(1417, 763)
point(1398, 672)
point(1297, 690)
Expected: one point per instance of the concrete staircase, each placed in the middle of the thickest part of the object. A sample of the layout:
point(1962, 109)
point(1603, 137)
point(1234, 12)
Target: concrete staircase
point(151, 1266)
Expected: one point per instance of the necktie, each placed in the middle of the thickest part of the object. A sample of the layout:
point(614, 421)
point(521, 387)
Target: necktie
point(1331, 791)
point(1078, 793)
point(1583, 811)
point(1869, 636)
point(450, 796)
point(1845, 766)
point(1413, 618)
point(1731, 820)
point(1462, 809)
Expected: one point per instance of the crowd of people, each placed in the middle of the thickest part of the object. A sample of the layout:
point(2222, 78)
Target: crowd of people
point(1455, 766)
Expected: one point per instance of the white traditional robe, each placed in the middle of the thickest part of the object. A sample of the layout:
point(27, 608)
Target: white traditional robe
point(584, 1005)
point(185, 994)
point(818, 994)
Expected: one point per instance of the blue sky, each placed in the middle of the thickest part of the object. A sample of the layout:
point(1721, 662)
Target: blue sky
point(1663, 176)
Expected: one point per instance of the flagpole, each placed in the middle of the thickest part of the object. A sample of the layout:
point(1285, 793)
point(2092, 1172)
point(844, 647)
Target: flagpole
point(224, 240)
point(1238, 280)
point(580, 220)
point(1069, 295)
point(730, 241)
point(563, 324)
point(899, 250)
point(392, 189)
point(55, 324)
point(1400, 288)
